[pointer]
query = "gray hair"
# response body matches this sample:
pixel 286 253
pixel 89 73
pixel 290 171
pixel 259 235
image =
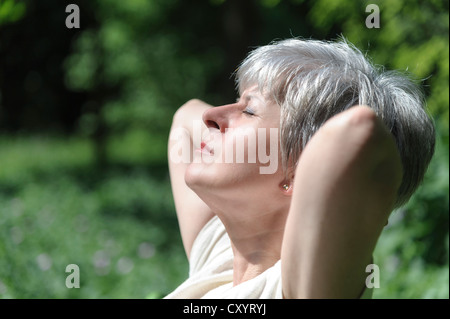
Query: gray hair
pixel 314 80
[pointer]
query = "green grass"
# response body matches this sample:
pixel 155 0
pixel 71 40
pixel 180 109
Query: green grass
pixel 119 225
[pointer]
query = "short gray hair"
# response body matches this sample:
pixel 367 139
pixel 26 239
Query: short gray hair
pixel 314 80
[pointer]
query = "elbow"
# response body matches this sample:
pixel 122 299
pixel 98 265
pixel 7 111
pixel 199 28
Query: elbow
pixel 361 122
pixel 378 147
pixel 189 111
pixel 357 125
pixel 374 146
pixel 184 110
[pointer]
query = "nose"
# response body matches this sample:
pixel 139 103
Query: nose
pixel 218 117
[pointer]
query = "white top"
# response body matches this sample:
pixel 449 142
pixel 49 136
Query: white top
pixel 211 271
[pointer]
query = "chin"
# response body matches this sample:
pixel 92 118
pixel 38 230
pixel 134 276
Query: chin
pixel 195 176
pixel 201 177
pixel 202 181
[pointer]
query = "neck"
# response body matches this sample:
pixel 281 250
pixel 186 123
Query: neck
pixel 250 262
pixel 256 242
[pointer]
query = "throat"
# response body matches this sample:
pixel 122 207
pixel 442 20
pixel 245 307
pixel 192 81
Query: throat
pixel 250 265
pixel 256 241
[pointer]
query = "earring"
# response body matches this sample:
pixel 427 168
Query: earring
pixel 285 187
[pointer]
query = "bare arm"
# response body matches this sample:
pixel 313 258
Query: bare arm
pixel 192 212
pixel 344 189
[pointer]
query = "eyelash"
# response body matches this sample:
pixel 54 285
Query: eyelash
pixel 248 111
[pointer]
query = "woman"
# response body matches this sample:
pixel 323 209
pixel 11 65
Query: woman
pixel 308 227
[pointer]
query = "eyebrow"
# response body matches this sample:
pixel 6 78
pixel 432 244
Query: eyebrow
pixel 249 97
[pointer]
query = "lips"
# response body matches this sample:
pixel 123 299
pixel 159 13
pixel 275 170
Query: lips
pixel 205 148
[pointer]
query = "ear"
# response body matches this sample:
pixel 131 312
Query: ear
pixel 286 188
pixel 286 185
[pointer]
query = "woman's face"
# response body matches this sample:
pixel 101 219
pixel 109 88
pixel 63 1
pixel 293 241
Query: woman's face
pixel 239 159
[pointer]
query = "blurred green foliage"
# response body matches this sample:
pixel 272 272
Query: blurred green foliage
pixel 11 11
pixel 119 228
pixel 85 115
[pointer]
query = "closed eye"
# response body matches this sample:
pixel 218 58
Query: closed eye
pixel 248 111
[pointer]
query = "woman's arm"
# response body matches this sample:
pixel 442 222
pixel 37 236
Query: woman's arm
pixel 192 212
pixel 344 190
